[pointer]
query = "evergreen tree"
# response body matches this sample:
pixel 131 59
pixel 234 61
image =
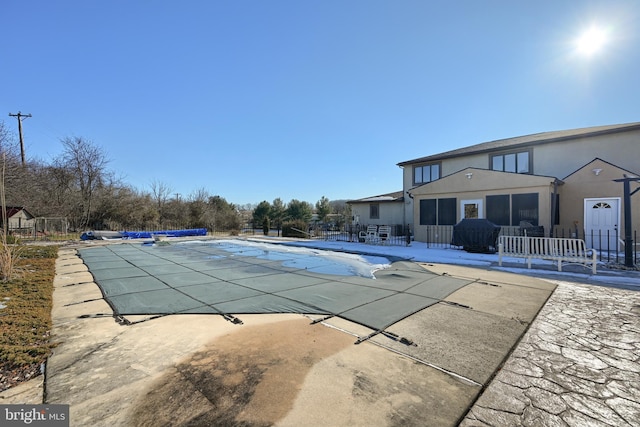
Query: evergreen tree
pixel 323 208
pixel 298 210
pixel 261 212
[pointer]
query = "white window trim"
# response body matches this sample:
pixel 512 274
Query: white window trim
pixel 478 202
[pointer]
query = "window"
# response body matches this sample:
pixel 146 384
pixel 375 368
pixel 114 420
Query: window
pixel 498 209
pixel 374 211
pixel 438 211
pixel 447 211
pixel 471 209
pixel 428 212
pixel 519 162
pixel 426 173
pixel 524 207
pixel 601 205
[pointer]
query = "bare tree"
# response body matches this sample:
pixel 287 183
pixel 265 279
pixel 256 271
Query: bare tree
pixel 198 208
pixel 4 137
pixel 87 164
pixel 121 207
pixel 160 192
pixel 14 174
pixel 343 209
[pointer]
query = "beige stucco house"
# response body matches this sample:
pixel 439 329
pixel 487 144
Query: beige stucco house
pixel 561 180
pixel 384 209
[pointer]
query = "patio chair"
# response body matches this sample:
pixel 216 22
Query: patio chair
pixel 372 234
pixel 384 234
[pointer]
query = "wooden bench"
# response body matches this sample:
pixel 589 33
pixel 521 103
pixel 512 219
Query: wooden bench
pixel 568 251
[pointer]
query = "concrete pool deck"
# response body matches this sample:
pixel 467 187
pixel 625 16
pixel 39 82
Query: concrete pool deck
pixel 279 369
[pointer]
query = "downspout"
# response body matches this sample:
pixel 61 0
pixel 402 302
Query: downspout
pixel 404 210
pixel 408 231
pixel 554 201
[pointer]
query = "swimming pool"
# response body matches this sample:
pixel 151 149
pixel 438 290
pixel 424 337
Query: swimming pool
pixel 316 260
pixel 235 277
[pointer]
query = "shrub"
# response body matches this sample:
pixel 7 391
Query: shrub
pixel 296 228
pixel 13 240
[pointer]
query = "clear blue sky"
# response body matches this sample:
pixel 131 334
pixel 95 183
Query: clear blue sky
pixel 253 100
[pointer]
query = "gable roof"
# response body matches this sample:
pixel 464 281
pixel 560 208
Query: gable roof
pixel 527 140
pixel 447 184
pixel 12 210
pixel 598 159
pixel 396 196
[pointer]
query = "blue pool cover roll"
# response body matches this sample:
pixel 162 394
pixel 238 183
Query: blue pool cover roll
pixel 168 233
pixel 93 235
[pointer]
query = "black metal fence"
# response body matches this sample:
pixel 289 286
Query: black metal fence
pixel 608 244
pixel 358 233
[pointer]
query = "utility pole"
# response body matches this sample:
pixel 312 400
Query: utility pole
pixel 20 116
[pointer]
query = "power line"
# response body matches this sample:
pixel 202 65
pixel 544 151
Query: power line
pixel 20 116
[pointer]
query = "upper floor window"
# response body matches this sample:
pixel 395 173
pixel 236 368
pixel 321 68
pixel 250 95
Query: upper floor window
pixel 426 173
pixel 519 162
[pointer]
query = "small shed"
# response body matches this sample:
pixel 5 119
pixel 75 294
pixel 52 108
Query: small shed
pixel 18 218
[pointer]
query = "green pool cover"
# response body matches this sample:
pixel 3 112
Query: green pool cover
pixel 143 279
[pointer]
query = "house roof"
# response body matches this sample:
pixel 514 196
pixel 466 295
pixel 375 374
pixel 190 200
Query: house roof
pixel 12 210
pixel 510 180
pixel 598 159
pixel 527 140
pixel 396 196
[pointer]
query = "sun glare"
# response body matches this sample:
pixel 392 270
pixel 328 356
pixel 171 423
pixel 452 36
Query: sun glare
pixel 591 41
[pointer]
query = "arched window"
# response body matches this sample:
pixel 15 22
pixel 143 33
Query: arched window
pixel 602 205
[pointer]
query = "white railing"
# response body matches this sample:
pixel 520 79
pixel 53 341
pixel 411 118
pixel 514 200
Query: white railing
pixel 567 251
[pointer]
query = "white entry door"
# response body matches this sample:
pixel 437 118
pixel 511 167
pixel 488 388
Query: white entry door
pixel 471 209
pixel 601 219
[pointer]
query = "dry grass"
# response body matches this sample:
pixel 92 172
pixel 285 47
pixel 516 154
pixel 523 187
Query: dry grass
pixel 9 255
pixel 25 316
